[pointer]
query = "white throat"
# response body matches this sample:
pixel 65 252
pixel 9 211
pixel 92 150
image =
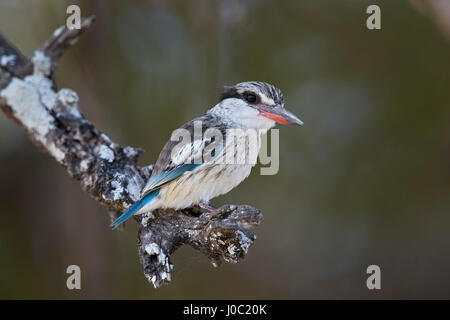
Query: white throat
pixel 237 113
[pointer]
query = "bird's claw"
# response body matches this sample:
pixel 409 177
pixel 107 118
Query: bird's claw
pixel 205 206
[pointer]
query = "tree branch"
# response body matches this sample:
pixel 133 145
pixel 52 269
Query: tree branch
pixel 106 170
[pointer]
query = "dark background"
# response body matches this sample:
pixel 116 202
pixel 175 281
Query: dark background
pixel 365 181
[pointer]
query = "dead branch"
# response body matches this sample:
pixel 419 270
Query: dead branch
pixel 106 170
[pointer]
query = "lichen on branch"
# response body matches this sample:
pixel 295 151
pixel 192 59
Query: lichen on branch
pixel 106 170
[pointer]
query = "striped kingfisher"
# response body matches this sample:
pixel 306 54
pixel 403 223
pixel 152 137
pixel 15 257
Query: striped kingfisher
pixel 194 166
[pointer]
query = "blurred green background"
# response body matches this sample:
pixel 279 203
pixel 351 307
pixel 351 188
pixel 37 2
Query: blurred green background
pixel 365 181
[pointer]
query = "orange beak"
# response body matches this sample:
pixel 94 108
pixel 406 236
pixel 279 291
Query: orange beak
pixel 279 115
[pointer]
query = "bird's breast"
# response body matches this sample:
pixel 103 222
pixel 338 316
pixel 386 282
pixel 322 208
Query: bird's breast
pixel 213 178
pixel 204 183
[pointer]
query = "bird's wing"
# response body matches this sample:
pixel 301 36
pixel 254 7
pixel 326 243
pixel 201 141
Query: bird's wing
pixel 172 163
pixel 164 177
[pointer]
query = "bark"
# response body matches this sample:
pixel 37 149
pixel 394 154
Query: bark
pixel 106 170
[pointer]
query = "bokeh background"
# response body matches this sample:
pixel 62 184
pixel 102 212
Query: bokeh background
pixel 365 181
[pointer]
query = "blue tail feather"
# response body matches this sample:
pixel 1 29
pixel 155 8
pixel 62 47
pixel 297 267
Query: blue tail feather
pixel 134 208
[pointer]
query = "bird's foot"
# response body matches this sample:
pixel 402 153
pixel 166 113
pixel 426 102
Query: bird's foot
pixel 206 206
pixel 208 209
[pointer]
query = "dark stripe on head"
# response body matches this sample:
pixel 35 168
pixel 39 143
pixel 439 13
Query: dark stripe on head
pixel 229 92
pixel 257 87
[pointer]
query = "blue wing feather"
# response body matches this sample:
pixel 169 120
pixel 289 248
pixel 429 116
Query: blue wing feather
pixel 164 177
pixel 157 180
pixel 134 208
pixel 170 173
pixel 153 187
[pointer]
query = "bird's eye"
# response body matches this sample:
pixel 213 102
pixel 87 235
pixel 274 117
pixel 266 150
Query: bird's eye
pixel 250 98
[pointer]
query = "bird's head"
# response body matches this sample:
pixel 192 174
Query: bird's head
pixel 253 104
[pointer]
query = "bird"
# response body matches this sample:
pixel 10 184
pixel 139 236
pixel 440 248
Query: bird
pixel 192 172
